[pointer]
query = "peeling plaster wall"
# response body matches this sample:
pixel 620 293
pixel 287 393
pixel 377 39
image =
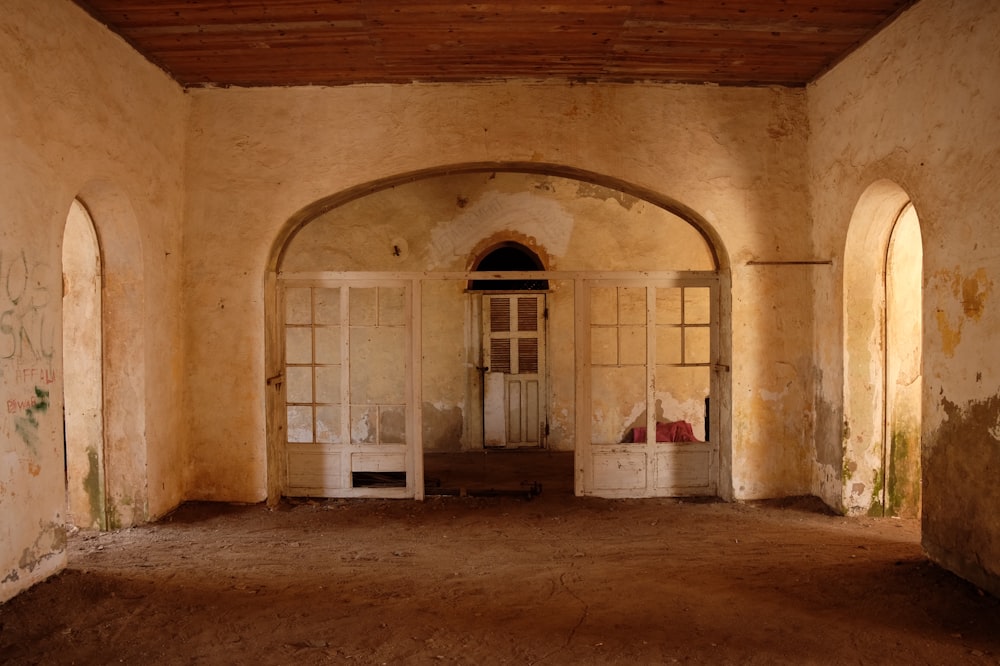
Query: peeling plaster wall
pixel 919 105
pixel 736 157
pixel 82 115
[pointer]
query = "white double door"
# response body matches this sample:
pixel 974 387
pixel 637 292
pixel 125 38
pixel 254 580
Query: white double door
pixel 514 370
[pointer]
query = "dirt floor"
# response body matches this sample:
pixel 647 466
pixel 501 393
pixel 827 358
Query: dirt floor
pixel 503 580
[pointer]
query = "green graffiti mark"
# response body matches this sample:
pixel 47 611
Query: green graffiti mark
pixel 43 399
pixel 27 426
pixel 27 430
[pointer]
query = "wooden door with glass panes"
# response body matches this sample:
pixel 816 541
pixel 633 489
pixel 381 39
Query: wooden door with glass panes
pixel 514 370
pixel 348 402
pixel 650 363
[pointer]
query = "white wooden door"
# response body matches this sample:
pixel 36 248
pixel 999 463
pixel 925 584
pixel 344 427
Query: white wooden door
pixel 648 356
pixel 514 377
pixel 348 389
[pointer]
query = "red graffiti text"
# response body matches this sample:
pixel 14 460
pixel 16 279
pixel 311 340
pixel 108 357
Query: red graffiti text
pixel 35 375
pixel 15 406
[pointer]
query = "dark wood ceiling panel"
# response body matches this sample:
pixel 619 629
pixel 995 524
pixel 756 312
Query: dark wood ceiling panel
pixel 340 42
pixel 129 14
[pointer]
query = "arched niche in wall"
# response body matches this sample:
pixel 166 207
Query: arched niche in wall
pixel 433 228
pixel 883 296
pixel 123 377
pixel 83 367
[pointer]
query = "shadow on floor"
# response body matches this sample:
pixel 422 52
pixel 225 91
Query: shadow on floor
pixel 499 471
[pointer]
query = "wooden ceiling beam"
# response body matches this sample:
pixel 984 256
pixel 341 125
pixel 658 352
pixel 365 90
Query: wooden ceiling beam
pixel 338 42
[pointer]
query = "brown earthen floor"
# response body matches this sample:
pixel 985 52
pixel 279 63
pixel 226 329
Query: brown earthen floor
pixel 503 580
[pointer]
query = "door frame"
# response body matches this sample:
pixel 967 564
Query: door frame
pixel 354 457
pixel 642 467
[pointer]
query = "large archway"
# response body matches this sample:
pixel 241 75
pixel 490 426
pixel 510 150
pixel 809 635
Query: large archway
pixel 390 238
pixel 882 355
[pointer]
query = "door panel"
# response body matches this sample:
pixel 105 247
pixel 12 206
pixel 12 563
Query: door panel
pixel 495 409
pixel 514 362
pixel 650 352
pixel 348 388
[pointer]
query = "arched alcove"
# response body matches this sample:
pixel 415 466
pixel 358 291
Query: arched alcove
pixel 123 374
pixel 901 495
pixel 83 362
pixel 882 354
pixel 411 242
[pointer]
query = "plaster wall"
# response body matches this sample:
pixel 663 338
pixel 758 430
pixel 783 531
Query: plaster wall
pixel 919 106
pixel 82 116
pixel 734 157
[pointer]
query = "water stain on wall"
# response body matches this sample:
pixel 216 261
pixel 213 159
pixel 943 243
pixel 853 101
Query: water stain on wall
pixel 50 542
pixel 829 447
pixel 92 485
pixel 972 291
pixel 975 291
pixel 954 523
pixel 950 336
pixel 442 427
pixel 903 489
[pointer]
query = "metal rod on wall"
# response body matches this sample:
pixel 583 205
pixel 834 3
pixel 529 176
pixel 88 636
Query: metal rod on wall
pixel 808 262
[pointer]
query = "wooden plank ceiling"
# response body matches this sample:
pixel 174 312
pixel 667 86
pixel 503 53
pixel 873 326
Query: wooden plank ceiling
pixel 340 42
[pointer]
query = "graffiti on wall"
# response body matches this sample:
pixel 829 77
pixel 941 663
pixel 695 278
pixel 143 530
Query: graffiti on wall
pixel 26 425
pixel 25 332
pixel 27 343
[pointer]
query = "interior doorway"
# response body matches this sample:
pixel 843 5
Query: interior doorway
pixel 513 349
pixel 903 379
pixel 348 388
pixel 883 384
pixel 514 370
pixel 83 396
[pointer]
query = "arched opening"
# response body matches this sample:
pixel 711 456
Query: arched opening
pixel 629 285
pixel 512 371
pixel 883 299
pixel 121 372
pixel 902 367
pixel 83 395
pixel 509 257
